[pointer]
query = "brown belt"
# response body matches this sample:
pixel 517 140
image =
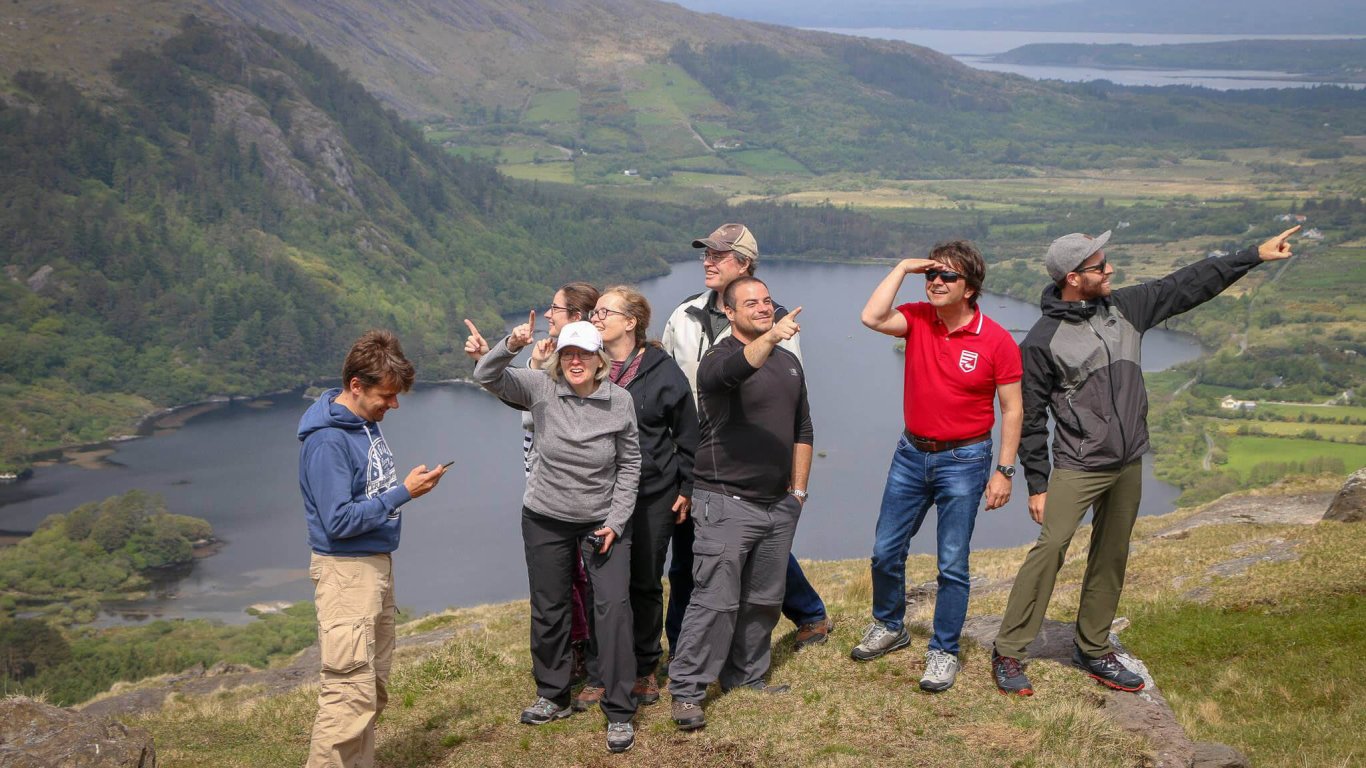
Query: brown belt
pixel 935 446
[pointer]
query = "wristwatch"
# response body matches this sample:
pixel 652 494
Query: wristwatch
pixel 1007 471
pixel 799 493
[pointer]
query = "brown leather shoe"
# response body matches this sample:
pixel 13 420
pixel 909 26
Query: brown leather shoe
pixel 587 698
pixel 646 690
pixel 815 633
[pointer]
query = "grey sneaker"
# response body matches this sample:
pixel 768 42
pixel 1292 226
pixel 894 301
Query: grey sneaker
pixel 878 640
pixel 543 711
pixel 941 669
pixel 620 737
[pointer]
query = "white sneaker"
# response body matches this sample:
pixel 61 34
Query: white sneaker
pixel 941 670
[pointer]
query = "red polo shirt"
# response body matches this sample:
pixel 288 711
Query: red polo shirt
pixel 951 378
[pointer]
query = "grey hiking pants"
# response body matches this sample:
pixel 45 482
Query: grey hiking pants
pixel 740 556
pixel 551 546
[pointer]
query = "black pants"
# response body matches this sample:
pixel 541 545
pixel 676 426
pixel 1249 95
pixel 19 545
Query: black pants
pixel 652 526
pixel 550 547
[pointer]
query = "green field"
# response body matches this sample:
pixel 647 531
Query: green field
pixel 1289 412
pixel 1246 452
pixel 559 173
pixel 1345 433
pixel 553 107
pixel 768 161
pixel 667 87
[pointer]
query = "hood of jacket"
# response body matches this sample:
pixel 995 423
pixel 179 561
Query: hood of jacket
pixel 1052 305
pixel 327 412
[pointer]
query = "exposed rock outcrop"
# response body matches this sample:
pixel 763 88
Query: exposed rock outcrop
pixel 1349 505
pixel 38 735
pixel 1145 713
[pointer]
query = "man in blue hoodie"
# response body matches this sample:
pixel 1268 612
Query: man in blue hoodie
pixel 352 497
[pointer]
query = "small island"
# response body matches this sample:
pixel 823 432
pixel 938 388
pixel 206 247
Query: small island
pixel 113 549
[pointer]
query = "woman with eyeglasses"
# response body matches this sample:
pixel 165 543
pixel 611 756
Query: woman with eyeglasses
pixel 571 303
pixel 578 503
pixel 667 421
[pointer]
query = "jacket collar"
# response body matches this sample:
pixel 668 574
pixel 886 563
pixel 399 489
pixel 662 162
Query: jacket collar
pixel 1052 304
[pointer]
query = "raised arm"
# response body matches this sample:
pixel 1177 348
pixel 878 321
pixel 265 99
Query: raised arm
pixel 1148 304
pixel 880 312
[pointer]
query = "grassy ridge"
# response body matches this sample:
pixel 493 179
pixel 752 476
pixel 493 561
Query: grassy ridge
pixel 458 705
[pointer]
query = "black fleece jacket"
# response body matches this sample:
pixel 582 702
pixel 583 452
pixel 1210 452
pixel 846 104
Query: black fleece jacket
pixel 667 419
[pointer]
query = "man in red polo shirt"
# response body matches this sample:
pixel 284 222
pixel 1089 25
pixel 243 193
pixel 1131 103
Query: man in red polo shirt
pixel 957 360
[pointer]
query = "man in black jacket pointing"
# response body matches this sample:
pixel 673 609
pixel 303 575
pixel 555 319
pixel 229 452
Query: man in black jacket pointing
pixel 1081 362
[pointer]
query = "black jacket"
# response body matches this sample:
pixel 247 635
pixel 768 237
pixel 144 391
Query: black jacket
pixel 1081 361
pixel 667 419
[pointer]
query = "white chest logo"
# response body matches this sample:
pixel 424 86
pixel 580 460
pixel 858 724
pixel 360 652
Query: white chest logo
pixel 967 361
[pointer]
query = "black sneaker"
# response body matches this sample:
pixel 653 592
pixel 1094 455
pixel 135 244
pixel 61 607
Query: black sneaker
pixel 1010 676
pixel 1109 671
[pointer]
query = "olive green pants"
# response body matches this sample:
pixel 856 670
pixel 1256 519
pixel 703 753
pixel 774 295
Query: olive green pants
pixel 1115 496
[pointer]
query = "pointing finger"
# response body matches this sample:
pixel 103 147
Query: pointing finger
pixel 795 312
pixel 473 331
pixel 1282 236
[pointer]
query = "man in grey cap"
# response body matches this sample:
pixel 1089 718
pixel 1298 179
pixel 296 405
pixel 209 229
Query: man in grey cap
pixel 1081 361
pixel 731 252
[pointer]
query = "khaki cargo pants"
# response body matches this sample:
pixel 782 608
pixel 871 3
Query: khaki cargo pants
pixel 355 601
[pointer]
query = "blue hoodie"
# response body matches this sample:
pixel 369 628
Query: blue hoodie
pixel 351 489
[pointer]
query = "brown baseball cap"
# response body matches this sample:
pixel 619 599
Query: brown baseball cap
pixel 731 237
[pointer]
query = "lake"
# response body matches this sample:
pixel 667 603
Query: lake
pixel 975 48
pixel 236 466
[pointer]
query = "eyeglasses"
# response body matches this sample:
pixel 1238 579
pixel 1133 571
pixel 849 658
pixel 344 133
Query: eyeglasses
pixel 574 353
pixel 1098 268
pixel 601 313
pixel 716 257
pixel 558 308
pixel 947 275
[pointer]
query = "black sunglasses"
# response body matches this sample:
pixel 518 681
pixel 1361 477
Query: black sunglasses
pixel 1098 267
pixel 947 275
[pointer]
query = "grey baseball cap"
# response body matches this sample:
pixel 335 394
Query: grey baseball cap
pixel 1069 251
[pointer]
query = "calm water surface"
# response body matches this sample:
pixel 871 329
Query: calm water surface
pixel 237 466
pixel 976 47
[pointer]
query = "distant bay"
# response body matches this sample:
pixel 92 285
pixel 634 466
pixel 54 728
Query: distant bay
pixel 975 48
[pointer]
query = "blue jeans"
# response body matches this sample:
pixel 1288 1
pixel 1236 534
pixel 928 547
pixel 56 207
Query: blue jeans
pixel 953 481
pixel 801 603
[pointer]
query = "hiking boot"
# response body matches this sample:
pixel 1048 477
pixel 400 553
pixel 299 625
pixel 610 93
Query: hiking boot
pixel 620 736
pixel 646 690
pixel 578 671
pixel 588 697
pixel 1109 671
pixel 1010 676
pixel 772 690
pixel 687 715
pixel 941 669
pixel 543 711
pixel 878 640
pixel 813 633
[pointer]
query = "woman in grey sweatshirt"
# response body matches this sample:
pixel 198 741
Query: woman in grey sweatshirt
pixel 579 498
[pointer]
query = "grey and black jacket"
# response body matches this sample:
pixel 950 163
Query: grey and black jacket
pixel 1081 361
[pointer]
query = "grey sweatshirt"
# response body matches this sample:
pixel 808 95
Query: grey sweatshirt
pixel 586 466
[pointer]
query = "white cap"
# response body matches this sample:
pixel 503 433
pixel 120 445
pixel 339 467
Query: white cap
pixel 581 335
